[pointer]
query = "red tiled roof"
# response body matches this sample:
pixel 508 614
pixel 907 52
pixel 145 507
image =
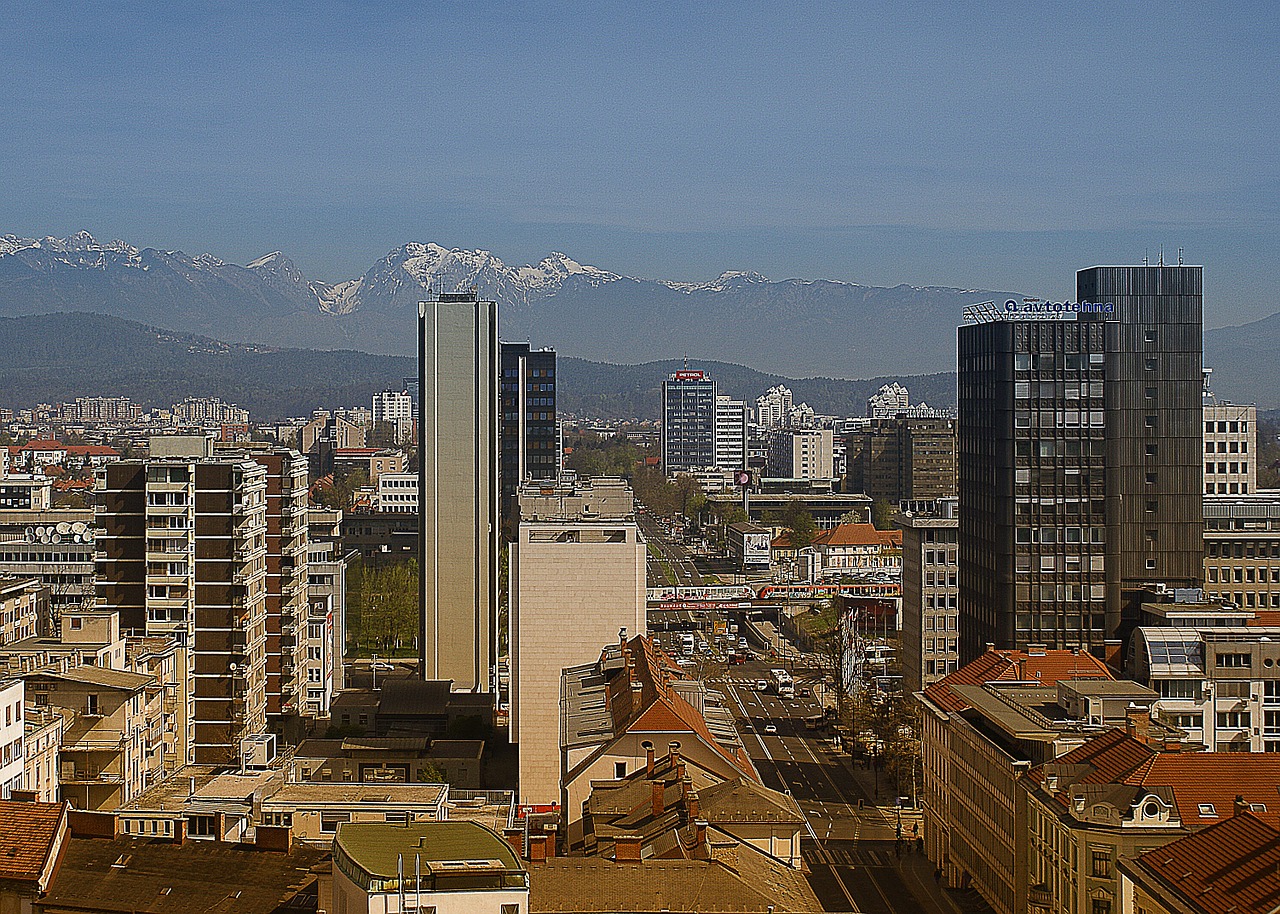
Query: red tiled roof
pixel 1195 778
pixel 1047 668
pixel 1232 867
pixel 43 444
pixel 1217 778
pixel 27 835
pixel 858 535
pixel 92 450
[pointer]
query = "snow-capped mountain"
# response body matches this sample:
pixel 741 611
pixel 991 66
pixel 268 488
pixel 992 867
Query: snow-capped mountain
pixel 799 327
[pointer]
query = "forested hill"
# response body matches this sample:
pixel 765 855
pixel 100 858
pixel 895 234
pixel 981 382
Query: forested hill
pixel 50 358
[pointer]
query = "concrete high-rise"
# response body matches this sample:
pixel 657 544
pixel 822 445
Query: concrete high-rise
pixel 577 577
pixel 458 487
pixel 1078 458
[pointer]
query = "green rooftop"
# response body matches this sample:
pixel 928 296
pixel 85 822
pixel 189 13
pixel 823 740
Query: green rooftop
pixel 457 855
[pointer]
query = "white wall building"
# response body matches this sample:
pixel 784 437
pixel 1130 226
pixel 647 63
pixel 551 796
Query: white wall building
pixel 731 434
pixel 773 410
pixel 1230 448
pixel 398 493
pixel 12 742
pixel 396 408
pixel 801 454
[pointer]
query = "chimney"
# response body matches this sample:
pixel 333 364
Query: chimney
pixel 537 848
pixel 1240 806
pixel 673 752
pixel 626 848
pixel 686 784
pixel 551 832
pixel 622 637
pixel 693 804
pixel 1137 723
pixel 25 796
pixel 179 832
pixel 515 838
pixel 701 834
pixel 659 804
pixel 648 758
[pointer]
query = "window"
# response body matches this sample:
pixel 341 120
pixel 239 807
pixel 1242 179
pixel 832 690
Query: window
pixel 1207 810
pixel 1100 906
pixel 619 770
pixel 329 821
pixel 1233 661
pixel 1100 863
pixel 1233 720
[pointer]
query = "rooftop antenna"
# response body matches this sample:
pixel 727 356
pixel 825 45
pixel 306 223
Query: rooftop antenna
pixel 1179 256
pixel 1146 260
pixel 1162 255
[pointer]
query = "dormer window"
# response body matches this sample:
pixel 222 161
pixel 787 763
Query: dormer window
pixel 1151 809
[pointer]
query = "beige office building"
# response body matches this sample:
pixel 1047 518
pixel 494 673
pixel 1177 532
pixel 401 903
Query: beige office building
pixel 458 487
pixel 577 577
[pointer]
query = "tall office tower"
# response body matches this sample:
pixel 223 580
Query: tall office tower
pixel 458 487
pixel 1230 448
pixel 688 422
pixel 1155 444
pixel 183 551
pixel 529 434
pixel 1079 459
pixel 731 434
pixel 577 576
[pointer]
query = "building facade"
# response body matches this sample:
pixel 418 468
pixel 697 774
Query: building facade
pixel 458 488
pixel 801 454
pixel 731 434
pixel 905 459
pixel 930 595
pixel 688 422
pixel 1242 550
pixel 529 439
pixel 1230 448
pixel 1079 459
pixel 183 553
pixel 577 577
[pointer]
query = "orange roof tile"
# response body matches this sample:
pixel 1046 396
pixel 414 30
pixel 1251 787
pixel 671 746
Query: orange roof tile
pixel 1047 667
pixel 858 535
pixel 28 832
pixel 1217 778
pixel 1232 867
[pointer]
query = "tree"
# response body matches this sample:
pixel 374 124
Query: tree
pixel 798 521
pixel 882 514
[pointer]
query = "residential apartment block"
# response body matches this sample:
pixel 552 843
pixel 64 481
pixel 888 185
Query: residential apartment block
pixel 1242 549
pixel 801 454
pixel 183 552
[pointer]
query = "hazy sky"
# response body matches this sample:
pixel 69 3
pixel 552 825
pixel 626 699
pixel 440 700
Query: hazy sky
pixel 999 145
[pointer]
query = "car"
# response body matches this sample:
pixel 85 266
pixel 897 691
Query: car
pixel 770 728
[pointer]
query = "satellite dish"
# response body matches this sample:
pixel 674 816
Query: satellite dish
pixel 79 527
pixel 63 527
pixel 57 538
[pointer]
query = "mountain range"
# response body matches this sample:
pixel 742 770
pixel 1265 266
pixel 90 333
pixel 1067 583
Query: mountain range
pixel 788 328
pixel 52 358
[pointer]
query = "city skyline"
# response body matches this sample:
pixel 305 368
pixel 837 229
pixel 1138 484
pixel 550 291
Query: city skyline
pixel 977 150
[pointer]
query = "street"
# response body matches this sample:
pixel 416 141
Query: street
pixel 672 565
pixel 851 853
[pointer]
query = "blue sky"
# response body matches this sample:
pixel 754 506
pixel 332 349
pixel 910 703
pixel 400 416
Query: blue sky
pixel 999 145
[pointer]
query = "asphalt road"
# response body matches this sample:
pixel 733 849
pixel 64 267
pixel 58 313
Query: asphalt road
pixel 851 850
pixel 673 554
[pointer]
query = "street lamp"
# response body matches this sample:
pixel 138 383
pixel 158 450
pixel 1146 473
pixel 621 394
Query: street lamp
pixel 375 672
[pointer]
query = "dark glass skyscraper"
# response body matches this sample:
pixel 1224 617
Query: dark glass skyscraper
pixel 688 422
pixel 529 433
pixel 1078 459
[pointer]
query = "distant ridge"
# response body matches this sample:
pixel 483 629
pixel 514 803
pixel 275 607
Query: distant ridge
pixel 56 357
